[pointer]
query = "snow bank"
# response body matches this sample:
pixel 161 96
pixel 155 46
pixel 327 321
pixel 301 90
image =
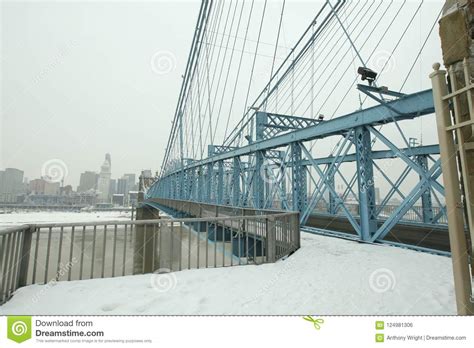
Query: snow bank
pixel 326 276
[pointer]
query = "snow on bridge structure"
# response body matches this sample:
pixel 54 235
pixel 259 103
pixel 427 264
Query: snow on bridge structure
pixel 276 157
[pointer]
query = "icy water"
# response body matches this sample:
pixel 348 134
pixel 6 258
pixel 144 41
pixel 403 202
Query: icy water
pixel 98 252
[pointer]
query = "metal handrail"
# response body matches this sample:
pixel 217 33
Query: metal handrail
pixel 13 229
pixel 43 252
pixel 147 222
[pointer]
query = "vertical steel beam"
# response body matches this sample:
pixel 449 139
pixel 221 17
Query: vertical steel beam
pixel 426 201
pixel 299 179
pixel 209 181
pixel 365 178
pixel 210 175
pixel 258 183
pixel 236 182
pixel 332 198
pixel 200 186
pixel 284 202
pixel 220 182
pixel 191 184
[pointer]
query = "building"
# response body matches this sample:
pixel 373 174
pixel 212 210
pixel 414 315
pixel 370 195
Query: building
pixel 88 181
pixel 12 181
pixel 112 187
pixel 132 181
pixel 133 198
pixel 43 187
pixel 11 185
pixel 118 200
pixel 103 183
pixel 123 186
pixel 66 190
pixel 36 186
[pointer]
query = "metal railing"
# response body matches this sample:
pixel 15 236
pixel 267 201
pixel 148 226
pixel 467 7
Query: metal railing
pixel 415 214
pixel 42 253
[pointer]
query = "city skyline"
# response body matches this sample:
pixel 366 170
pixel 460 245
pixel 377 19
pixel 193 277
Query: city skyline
pixel 66 181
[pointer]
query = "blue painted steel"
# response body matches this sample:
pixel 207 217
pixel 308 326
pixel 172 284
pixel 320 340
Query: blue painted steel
pixel 258 182
pixel 426 201
pixel 410 200
pixel 299 180
pixel 236 172
pixel 412 106
pixel 225 178
pixel 365 179
pixel 220 182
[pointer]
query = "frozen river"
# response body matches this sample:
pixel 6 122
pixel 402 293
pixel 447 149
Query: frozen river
pixel 98 253
pixel 17 218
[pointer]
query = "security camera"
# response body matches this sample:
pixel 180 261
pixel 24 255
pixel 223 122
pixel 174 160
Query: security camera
pixel 367 74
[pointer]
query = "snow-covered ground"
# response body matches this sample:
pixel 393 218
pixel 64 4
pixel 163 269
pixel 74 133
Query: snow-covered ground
pixel 326 276
pixel 28 217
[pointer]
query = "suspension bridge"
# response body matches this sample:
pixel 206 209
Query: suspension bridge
pixel 338 134
pixel 317 139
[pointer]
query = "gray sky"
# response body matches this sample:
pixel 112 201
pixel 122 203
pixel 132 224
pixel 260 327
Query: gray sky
pixel 77 82
pixel 78 79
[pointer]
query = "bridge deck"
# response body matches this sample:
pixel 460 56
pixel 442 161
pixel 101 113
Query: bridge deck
pixel 432 237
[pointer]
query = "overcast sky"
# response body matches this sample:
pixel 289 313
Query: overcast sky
pixel 78 80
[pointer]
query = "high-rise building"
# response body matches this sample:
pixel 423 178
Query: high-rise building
pixel 103 184
pixel 132 181
pixel 112 187
pixel 13 181
pixel 2 179
pixel 122 186
pixel 88 181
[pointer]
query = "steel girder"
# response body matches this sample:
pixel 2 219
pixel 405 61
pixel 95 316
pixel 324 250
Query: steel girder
pixel 410 107
pixel 366 183
pixel 299 179
pixel 257 174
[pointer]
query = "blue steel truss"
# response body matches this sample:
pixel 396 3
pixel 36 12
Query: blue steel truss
pixel 274 170
pixel 278 167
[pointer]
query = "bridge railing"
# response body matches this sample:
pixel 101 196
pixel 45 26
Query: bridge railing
pixel 414 215
pixel 14 244
pixel 47 253
pixel 199 209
